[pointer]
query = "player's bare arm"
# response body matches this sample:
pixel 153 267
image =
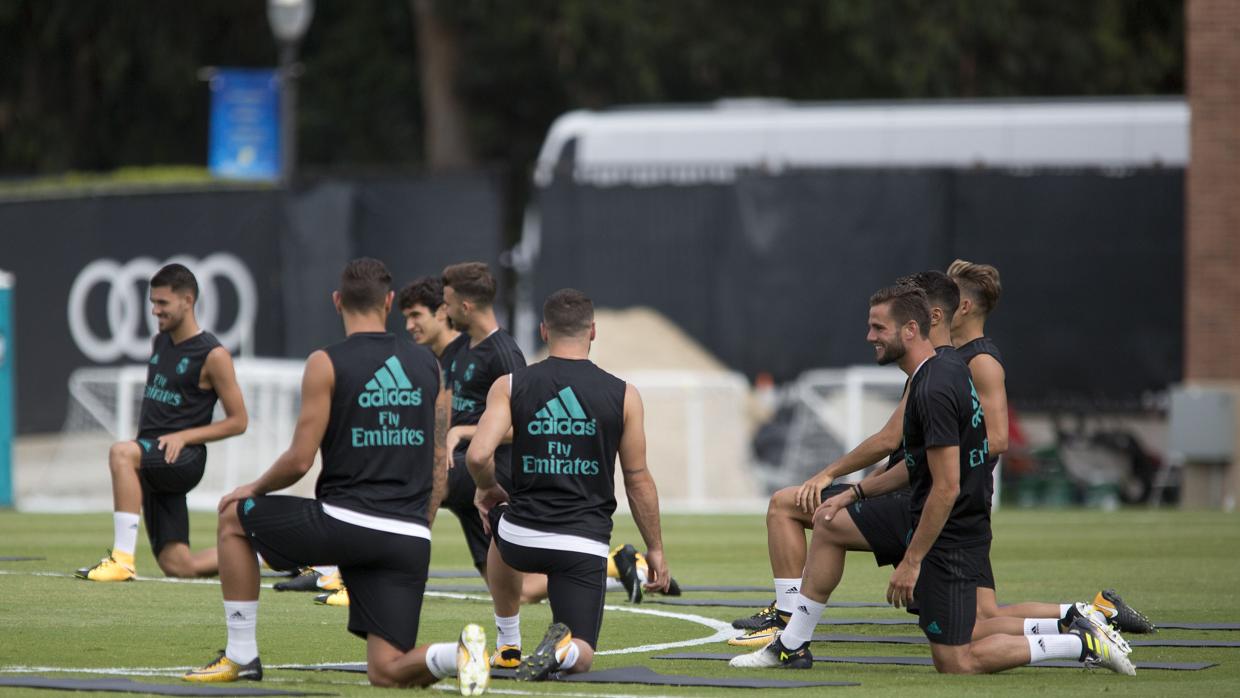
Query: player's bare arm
pixel 496 421
pixel 876 447
pixel 640 488
pixel 944 464
pixel 439 476
pixel 218 375
pixel 317 383
pixel 990 380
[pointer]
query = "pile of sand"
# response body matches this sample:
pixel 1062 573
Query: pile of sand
pixel 641 338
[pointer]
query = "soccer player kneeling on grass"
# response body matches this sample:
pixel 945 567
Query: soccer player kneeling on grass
pixel 374 406
pixel 569 419
pixel 948 539
pixel 188 372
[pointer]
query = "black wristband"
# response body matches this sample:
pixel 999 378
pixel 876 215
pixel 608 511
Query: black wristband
pixel 860 492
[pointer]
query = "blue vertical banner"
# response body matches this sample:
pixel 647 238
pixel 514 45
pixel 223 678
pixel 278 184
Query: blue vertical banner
pixel 8 347
pixel 245 124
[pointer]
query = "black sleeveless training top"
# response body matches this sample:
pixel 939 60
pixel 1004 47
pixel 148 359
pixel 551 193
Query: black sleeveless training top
pixel 967 352
pixel 378 450
pixel 567 417
pixel 172 400
pixel 981 345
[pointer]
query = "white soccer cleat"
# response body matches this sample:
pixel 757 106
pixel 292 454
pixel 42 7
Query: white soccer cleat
pixel 473 667
pixel 775 656
pixel 1103 647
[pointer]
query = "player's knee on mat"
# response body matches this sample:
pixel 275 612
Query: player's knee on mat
pixel 958 662
pixel 380 677
pixel 176 568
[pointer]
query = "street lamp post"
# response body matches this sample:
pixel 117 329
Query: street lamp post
pixel 289 21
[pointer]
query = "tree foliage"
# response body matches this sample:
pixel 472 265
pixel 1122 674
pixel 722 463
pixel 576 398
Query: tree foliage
pixel 100 84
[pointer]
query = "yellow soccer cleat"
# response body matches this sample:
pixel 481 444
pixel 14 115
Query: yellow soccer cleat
pixel 109 569
pixel 339 597
pixel 223 669
pixel 330 582
pixel 506 657
pixel 473 671
pixel 755 638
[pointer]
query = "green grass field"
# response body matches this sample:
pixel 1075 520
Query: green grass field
pixel 1174 566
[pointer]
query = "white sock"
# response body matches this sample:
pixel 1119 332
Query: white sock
pixel 804 619
pixel 441 659
pixel 1042 626
pixel 570 657
pixel 325 570
pixel 242 620
pixel 786 592
pixel 124 532
pixel 1043 647
pixel 614 585
pixel 1063 609
pixel 508 630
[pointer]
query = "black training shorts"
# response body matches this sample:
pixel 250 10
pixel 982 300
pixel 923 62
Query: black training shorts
pixel 384 572
pixel 946 593
pixel 886 523
pixel 576 582
pixel 164 486
pixel 986 576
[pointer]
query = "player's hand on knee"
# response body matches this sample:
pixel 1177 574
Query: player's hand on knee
pixel 828 509
pixel 171 445
pixel 810 494
pixel 240 494
pixel 486 500
pixel 903 580
pixel 657 576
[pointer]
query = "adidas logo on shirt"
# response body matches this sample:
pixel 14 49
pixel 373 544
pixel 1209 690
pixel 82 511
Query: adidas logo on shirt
pixel 390 386
pixel 562 416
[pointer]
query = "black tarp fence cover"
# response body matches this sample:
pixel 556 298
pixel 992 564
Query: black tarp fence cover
pixel 773 271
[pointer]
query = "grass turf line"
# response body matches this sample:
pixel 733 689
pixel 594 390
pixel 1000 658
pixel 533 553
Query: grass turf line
pixel 1172 565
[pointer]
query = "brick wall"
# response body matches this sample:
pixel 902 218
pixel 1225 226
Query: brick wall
pixel 1212 253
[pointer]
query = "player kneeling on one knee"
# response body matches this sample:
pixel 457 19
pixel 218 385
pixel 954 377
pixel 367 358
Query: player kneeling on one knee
pixel 568 419
pixel 373 405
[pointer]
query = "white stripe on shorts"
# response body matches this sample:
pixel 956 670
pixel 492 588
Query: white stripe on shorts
pixel 377 523
pixel 530 538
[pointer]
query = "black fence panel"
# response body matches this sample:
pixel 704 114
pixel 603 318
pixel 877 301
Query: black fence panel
pixel 1093 278
pixel 263 255
pixel 82 267
pixel 772 272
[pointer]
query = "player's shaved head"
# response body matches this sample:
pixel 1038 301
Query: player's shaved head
pixel 364 285
pixel 568 312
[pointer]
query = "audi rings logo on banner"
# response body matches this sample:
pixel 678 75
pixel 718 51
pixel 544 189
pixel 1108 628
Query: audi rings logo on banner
pixel 126 306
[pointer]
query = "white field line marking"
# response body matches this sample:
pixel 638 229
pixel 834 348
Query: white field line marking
pixel 723 630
